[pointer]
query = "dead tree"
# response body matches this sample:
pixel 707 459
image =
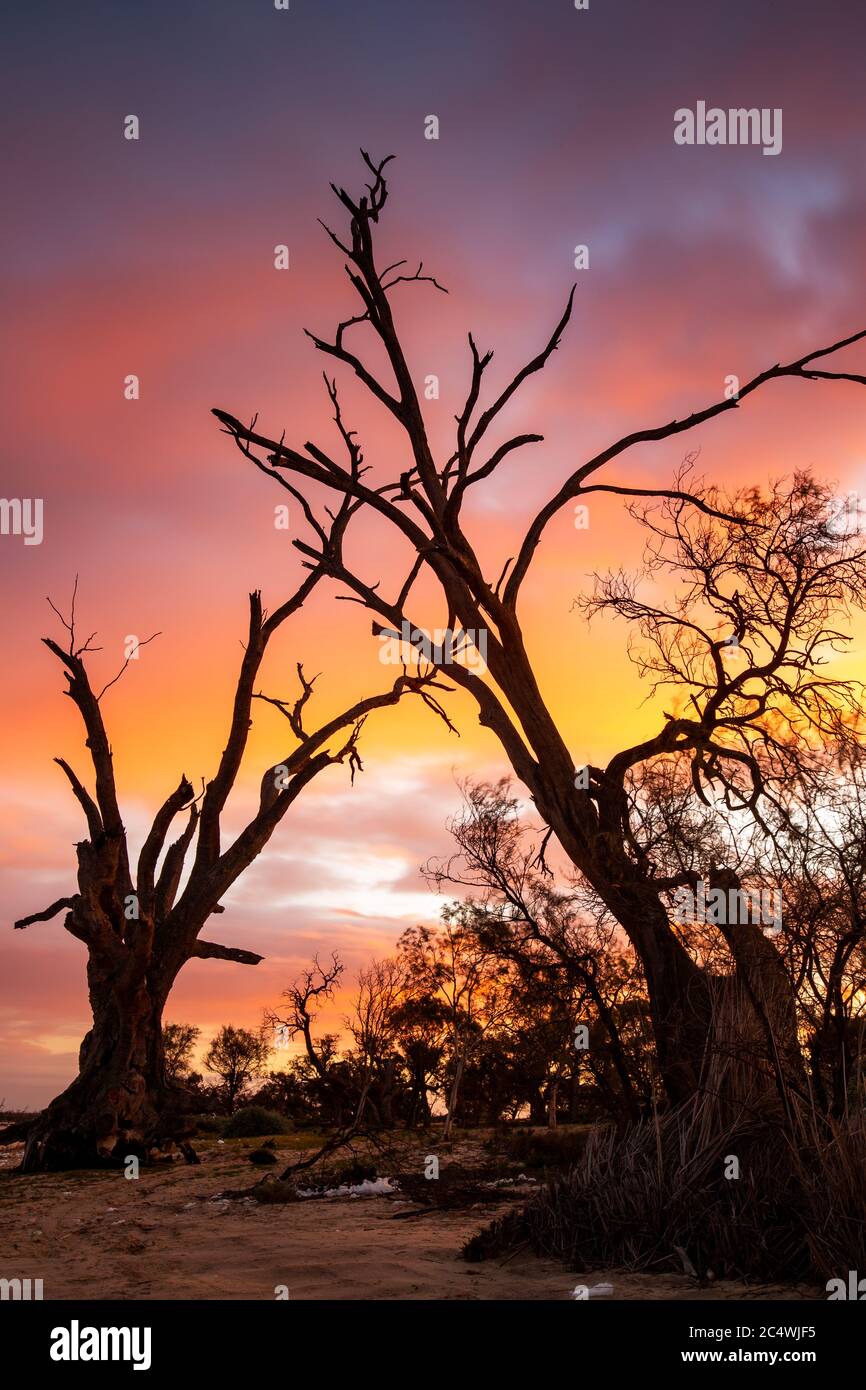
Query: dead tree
pixel 140 924
pixel 423 506
pixel 373 1025
pixel 315 987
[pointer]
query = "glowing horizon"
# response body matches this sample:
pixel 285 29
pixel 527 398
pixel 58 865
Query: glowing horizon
pixel 158 260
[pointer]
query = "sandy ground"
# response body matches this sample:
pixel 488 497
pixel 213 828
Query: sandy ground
pixel 168 1234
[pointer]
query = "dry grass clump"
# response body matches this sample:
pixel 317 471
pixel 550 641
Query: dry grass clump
pixel 657 1197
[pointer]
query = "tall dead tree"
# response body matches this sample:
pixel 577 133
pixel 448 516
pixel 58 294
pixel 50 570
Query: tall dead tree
pixel 141 924
pixel 424 504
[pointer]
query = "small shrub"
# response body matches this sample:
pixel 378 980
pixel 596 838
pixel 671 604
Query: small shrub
pixel 254 1120
pixel 263 1156
pixel 353 1173
pixel 210 1124
pixel 547 1148
pixel 273 1192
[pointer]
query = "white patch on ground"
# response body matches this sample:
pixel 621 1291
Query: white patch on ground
pixel 378 1187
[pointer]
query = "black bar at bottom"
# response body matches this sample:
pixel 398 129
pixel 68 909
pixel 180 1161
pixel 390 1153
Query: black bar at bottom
pixel 255 1341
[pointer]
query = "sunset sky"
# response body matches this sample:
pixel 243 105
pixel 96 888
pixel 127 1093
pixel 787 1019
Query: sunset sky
pixel 156 257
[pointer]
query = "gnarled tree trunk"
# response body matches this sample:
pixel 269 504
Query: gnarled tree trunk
pixel 120 1104
pixel 140 930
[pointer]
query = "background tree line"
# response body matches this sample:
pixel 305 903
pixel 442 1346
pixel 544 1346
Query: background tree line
pixel 527 1001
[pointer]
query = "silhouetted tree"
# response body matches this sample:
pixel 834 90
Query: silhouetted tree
pixel 301 1001
pixel 449 964
pixel 373 1025
pixel 769 574
pixel 139 925
pixel 178 1041
pixel 421 1025
pixel 558 940
pixel 236 1056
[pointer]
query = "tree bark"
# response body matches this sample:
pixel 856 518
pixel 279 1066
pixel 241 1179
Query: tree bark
pixel 552 1101
pixel 120 1104
pixel 454 1093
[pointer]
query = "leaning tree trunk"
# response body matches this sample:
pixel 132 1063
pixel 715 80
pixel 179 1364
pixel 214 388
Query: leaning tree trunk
pixel 680 993
pixel 696 1015
pixel 734 1034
